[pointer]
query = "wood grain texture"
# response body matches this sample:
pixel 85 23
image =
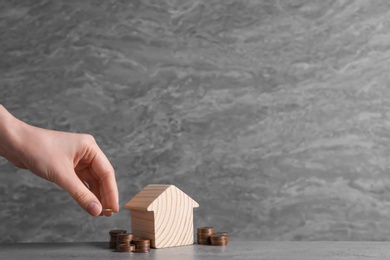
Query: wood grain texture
pixel 163 214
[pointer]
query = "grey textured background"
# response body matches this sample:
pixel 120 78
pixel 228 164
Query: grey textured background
pixel 273 115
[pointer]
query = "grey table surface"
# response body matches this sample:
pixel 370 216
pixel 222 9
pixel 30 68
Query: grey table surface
pixel 235 250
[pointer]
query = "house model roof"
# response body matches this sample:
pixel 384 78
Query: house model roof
pixel 154 196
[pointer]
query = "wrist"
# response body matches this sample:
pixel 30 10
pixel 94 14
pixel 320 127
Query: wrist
pixel 10 133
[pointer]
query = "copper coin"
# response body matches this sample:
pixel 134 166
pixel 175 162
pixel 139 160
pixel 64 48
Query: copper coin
pixel 205 230
pixel 124 238
pixel 113 234
pixel 125 248
pixel 117 231
pixel 140 241
pixel 220 234
pixel 219 240
pixel 125 235
pixel 142 250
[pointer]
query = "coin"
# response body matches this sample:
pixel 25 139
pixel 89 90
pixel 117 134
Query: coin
pixel 205 230
pixel 117 231
pixel 141 249
pixel 207 236
pixel 219 233
pixel 124 238
pixel 141 241
pixel 107 210
pixel 126 248
pixel 141 245
pixel 203 235
pixel 219 239
pixel 113 234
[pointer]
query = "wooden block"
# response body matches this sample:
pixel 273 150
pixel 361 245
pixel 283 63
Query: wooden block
pixel 163 214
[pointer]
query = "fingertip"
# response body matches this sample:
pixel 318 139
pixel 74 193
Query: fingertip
pixel 94 209
pixel 116 208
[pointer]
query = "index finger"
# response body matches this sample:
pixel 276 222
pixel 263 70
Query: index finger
pixel 105 174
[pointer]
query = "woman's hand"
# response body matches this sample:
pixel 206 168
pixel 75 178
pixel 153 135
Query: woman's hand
pixel 72 161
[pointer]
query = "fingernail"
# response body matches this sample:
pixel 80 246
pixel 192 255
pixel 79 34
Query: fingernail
pixel 94 209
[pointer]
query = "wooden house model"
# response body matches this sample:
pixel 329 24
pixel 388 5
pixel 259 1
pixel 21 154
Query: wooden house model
pixel 163 214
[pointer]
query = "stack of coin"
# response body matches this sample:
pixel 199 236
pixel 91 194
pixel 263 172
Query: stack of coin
pixel 124 238
pixel 126 247
pixel 203 235
pixel 113 234
pixel 219 239
pixel 141 245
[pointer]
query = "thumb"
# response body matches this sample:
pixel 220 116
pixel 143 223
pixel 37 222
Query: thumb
pixel 82 195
